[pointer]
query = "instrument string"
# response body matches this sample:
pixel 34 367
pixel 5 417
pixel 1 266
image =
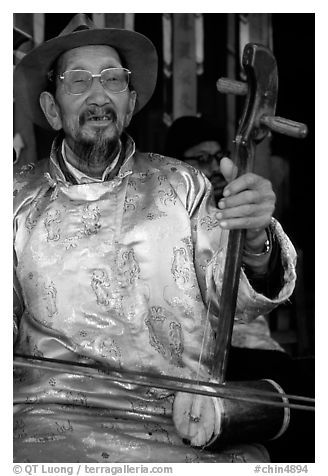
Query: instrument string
pixel 203 341
pixel 208 303
pixel 164 382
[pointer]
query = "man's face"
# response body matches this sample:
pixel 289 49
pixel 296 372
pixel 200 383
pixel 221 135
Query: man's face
pixel 206 157
pixel 96 113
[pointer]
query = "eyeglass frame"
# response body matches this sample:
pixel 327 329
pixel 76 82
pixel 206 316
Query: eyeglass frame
pixel 62 78
pixel 209 157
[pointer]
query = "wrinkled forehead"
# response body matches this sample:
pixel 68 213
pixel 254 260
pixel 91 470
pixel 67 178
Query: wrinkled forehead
pixel 87 56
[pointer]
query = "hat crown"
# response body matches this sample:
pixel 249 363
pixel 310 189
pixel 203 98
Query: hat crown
pixel 79 22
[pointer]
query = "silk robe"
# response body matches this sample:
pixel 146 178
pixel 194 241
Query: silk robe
pixel 125 272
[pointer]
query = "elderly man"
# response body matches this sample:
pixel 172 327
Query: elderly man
pixel 118 261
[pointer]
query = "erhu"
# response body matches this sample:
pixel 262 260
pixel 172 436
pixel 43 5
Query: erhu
pixel 226 411
pixel 232 419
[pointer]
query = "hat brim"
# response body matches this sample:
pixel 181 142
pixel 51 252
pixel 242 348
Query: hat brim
pixel 137 53
pixel 20 37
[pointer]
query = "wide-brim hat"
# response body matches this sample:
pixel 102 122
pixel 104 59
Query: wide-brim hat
pixel 137 53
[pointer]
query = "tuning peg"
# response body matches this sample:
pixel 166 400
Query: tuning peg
pixel 274 123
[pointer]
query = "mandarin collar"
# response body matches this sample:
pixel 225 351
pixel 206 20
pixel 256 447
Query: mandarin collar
pixel 57 174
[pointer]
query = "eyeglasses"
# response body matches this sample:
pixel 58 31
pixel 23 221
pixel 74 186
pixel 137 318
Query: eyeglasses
pixel 78 81
pixel 206 157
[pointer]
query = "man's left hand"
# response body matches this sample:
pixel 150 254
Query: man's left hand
pixel 248 203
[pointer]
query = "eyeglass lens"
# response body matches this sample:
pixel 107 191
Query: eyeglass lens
pixel 206 157
pixel 113 79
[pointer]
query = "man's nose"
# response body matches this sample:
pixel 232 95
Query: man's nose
pixel 214 165
pixel 97 94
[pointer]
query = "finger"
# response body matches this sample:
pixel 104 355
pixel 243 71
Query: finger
pixel 244 223
pixel 248 197
pixel 245 210
pixel 247 182
pixel 228 169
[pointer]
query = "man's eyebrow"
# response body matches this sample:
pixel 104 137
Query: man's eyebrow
pixel 80 66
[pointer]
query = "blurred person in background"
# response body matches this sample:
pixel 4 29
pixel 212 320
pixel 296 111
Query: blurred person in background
pixel 198 143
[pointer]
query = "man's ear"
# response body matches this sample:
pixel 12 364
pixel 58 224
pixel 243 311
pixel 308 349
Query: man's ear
pixel 50 110
pixel 131 106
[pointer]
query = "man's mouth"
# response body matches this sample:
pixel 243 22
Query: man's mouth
pixel 99 118
pixel 218 181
